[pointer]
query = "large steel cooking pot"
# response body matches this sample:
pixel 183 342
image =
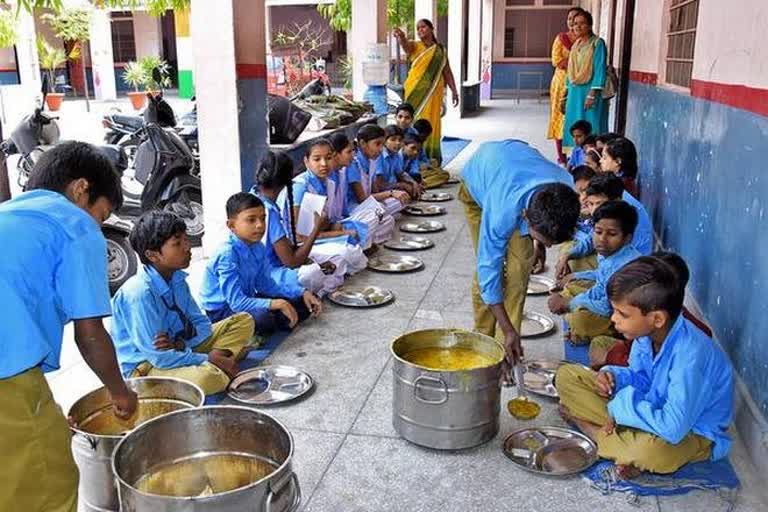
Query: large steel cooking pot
pixel 93 413
pixel 202 451
pixel 446 410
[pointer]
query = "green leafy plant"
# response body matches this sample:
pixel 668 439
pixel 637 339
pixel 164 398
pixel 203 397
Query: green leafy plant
pixel 150 63
pixel 346 70
pixel 8 33
pixel 51 58
pixel 134 75
pixel 400 13
pixel 155 7
pixel 72 25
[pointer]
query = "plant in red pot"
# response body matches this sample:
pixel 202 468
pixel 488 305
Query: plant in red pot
pixel 157 74
pixel 134 75
pixel 51 58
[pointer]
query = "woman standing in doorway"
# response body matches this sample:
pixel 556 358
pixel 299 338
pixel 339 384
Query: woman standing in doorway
pixel 561 48
pixel 425 85
pixel 585 79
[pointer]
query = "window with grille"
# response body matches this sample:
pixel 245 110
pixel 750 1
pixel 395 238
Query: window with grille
pixel 123 40
pixel 681 40
pixel 530 26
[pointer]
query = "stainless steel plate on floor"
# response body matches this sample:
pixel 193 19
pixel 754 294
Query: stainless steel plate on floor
pixel 540 285
pixel 452 181
pixel 550 451
pixel 269 385
pixel 539 376
pixel 409 243
pixel 435 197
pixel 422 226
pixel 361 296
pixel 536 324
pixel 395 263
pixel 424 210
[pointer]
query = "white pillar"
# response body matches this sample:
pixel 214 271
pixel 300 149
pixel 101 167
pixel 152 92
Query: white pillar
pixel 425 10
pixel 486 51
pixel 474 23
pixel 102 61
pixel 369 25
pixel 213 44
pixel 456 51
pixel 26 49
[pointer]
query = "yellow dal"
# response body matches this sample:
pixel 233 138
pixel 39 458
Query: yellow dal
pixel 449 359
pixel 105 422
pixel 204 476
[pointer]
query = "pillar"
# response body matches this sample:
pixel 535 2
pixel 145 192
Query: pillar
pixel 230 82
pixel 184 53
pixel 26 49
pixel 456 51
pixel 102 61
pixel 425 9
pixel 486 50
pixel 369 25
pixel 474 41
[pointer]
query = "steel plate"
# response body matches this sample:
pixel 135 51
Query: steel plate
pixel 435 197
pixel 539 376
pixel 424 210
pixel 550 451
pixel 536 324
pixel 269 385
pixel 540 285
pixel 395 263
pixel 422 226
pixel 409 243
pixel 452 181
pixel 361 297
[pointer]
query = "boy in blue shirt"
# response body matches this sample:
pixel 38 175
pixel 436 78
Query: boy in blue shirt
pixel 584 301
pixel 580 130
pixel 674 403
pixel 432 174
pixel 158 329
pixel 582 175
pixel 404 118
pixel 412 146
pixel 238 277
pixel 53 271
pixel 390 173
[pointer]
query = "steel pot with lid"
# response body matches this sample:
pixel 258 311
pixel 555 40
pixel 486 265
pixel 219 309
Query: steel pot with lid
pixel 213 459
pixel 446 409
pixel 97 431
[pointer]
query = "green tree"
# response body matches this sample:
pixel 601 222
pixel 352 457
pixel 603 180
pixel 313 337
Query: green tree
pixel 74 27
pixel 8 33
pixel 155 7
pixel 400 13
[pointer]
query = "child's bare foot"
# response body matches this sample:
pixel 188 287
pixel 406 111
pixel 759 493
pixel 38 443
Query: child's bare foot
pixel 627 471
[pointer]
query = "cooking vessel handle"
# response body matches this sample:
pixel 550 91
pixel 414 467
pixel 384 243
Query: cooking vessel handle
pixel 435 380
pixel 291 480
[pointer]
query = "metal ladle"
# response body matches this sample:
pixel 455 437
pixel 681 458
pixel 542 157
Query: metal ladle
pixel 522 408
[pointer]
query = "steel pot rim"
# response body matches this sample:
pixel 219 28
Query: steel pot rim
pixel 281 469
pixel 78 431
pixel 399 359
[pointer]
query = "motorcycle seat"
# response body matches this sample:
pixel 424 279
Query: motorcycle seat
pixel 116 155
pixel 134 122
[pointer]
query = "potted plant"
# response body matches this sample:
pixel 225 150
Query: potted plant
pixel 51 59
pixel 150 63
pixel 134 75
pixel 8 33
pixel 72 25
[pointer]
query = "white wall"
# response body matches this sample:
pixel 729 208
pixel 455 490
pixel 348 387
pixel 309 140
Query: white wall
pixel 647 36
pixel 146 31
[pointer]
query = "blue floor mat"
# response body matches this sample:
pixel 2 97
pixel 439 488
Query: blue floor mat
pixel 714 476
pixel 254 358
pixel 451 147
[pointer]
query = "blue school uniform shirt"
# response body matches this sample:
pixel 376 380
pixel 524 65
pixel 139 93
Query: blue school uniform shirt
pixel 596 298
pixel 52 271
pixel 143 309
pixel 239 277
pixel 275 230
pixel 412 166
pixel 354 175
pixel 642 239
pixel 577 158
pixel 687 387
pixel 502 177
pixel 390 166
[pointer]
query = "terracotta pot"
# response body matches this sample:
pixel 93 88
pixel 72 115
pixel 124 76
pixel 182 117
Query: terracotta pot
pixel 53 100
pixel 138 99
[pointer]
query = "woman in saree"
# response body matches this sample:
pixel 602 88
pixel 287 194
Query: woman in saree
pixel 561 48
pixel 427 78
pixel 585 79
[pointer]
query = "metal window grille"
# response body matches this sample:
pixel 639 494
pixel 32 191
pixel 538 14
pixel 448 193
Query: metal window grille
pixel 681 41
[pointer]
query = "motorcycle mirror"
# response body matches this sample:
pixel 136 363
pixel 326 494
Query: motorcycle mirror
pixel 157 76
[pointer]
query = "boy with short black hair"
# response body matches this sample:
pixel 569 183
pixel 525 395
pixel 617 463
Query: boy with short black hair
pixel 581 178
pixel 580 130
pixel 404 118
pixel 158 328
pixel 432 174
pixel 412 146
pixel 674 403
pixel 390 171
pixel 238 276
pixel 585 305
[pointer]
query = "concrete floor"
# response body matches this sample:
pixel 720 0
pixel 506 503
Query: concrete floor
pixel 348 457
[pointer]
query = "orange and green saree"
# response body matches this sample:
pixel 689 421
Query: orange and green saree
pixel 425 88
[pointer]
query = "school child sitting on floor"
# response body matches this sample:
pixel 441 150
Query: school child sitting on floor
pixel 604 138
pixel 603 188
pixel 580 130
pixel 674 403
pixel 238 277
pixel 404 118
pixel 411 151
pixel 320 274
pixel 618 352
pixel 432 174
pixel 584 301
pixel 581 177
pixel 391 174
pixel 157 327
pixel 620 158
pixel 592 159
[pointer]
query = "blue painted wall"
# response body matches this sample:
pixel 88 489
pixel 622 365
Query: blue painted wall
pixel 703 180
pixel 9 78
pixel 504 75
